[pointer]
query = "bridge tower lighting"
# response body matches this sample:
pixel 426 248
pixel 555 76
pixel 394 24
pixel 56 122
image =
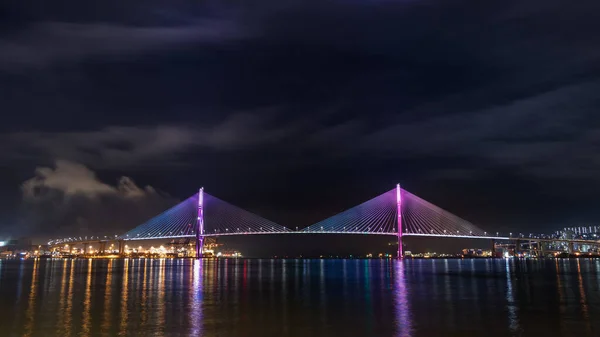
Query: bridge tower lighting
pixel 399 207
pixel 200 224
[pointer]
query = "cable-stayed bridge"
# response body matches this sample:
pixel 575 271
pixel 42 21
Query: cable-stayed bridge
pixel 210 216
pixel 396 212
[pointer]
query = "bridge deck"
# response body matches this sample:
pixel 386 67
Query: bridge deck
pixel 479 237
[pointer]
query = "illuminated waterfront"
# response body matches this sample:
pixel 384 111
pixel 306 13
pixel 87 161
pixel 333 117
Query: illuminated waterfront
pixel 241 297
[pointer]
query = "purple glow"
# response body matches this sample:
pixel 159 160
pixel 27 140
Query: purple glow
pixel 404 321
pixel 374 216
pixel 200 224
pixel 399 206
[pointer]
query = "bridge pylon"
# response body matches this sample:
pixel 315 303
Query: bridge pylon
pixel 200 224
pixel 399 210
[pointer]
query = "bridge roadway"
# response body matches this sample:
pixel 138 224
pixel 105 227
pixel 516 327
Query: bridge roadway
pixel 102 241
pixel 396 212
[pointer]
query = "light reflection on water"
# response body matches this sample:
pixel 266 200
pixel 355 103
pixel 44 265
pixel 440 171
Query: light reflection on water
pixel 144 297
pixel 513 319
pixel 404 324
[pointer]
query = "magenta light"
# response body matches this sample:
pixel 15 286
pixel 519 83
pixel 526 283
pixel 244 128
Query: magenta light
pixel 200 224
pixel 399 206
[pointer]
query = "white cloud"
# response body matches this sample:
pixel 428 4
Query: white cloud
pixel 69 199
pixel 72 179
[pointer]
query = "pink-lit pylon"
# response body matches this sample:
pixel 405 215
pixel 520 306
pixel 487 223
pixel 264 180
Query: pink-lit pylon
pixel 399 206
pixel 200 224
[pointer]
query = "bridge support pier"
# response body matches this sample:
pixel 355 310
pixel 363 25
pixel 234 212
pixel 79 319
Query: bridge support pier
pixel 571 248
pixel 199 246
pixel 102 249
pixel 121 244
pixel 493 248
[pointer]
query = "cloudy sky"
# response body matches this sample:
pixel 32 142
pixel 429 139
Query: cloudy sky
pixel 297 109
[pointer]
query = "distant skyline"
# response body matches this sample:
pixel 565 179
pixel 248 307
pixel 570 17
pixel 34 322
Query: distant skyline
pixel 296 110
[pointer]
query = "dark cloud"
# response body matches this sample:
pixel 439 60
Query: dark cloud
pixel 265 98
pixel 124 147
pixel 44 44
pixel 524 135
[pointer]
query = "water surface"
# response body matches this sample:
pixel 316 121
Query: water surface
pixel 226 298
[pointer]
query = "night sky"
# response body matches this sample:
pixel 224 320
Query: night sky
pixel 295 110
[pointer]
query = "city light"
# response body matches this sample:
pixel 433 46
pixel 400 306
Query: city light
pixel 362 219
